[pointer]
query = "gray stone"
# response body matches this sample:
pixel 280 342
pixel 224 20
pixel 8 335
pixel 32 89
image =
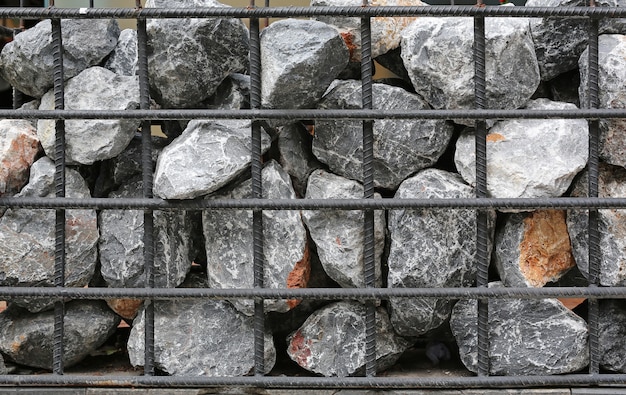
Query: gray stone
pixel 533 249
pixel 199 337
pixel 27 237
pixel 206 157
pixel 386 31
pixel 430 248
pixel 611 94
pixel 121 244
pixel 27 338
pixel 401 147
pixel 19 146
pixel 438 55
pixel 611 225
pixel 339 235
pixel 331 342
pixel 299 58
pixel 392 61
pixel 232 94
pixel 612 335
pixel 127 165
pixel 296 154
pixel 123 59
pixel 27 62
pixel 88 141
pixel 189 58
pixel 526 336
pixel 229 243
pixel 528 157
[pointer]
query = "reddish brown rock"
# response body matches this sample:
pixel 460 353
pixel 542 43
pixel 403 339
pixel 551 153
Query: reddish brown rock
pixel 125 308
pixel 299 276
pixel 19 146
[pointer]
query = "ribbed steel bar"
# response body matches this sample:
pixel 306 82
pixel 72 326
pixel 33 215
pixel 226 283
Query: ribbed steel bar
pixel 147 180
pixel 482 254
pixel 59 186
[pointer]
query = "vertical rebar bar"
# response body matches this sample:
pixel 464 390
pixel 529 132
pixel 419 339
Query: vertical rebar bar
pixel 482 253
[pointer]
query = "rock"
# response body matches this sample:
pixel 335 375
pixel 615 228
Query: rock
pixel 200 337
pixel 229 243
pixel 528 158
pixel 611 94
pixel 19 146
pixel 385 30
pixel 27 62
pixel 88 141
pixel 533 249
pixel 331 342
pixel 339 235
pixel 232 94
pixel 207 156
pixel 121 245
pixel 123 59
pixel 438 55
pixel 27 237
pixel 526 336
pixel 188 58
pixel 430 248
pixel 611 225
pixel 27 338
pixel 612 335
pixel 296 154
pixel 300 58
pixel 401 147
pixel 127 165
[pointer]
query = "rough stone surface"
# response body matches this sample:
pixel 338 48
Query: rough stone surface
pixel 189 58
pixel 611 225
pixel 612 335
pixel 207 156
pixel 27 237
pixel 196 337
pixel 339 235
pixel 229 243
pixel 123 59
pixel 526 336
pixel 121 244
pixel 401 147
pixel 430 248
pixel 528 158
pixel 232 94
pixel 19 146
pixel 331 342
pixel 385 30
pixel 533 249
pixel 27 62
pixel 611 94
pixel 437 53
pixel 299 58
pixel 88 141
pixel 27 338
pixel 296 154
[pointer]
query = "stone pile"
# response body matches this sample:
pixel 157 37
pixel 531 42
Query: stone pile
pixel 203 63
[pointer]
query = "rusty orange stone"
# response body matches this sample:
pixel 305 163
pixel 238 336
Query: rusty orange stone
pixel 299 276
pixel 125 308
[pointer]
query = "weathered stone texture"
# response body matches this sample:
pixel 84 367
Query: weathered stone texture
pixel 612 335
pixel 296 154
pixel 123 59
pixel 19 146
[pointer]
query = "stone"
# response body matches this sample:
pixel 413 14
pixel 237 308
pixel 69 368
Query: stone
pixel 188 58
pixel 386 31
pixel 19 146
pixel 232 94
pixel 27 237
pixel 296 154
pixel 401 147
pixel 528 158
pixel 611 225
pixel 331 342
pixel 339 235
pixel 611 94
pixel 200 337
pixel 123 59
pixel 229 243
pixel 121 245
pixel 27 62
pixel 27 338
pixel 88 141
pixel 533 248
pixel 430 248
pixel 612 335
pixel 299 59
pixel 206 157
pixel 438 56
pixel 526 336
